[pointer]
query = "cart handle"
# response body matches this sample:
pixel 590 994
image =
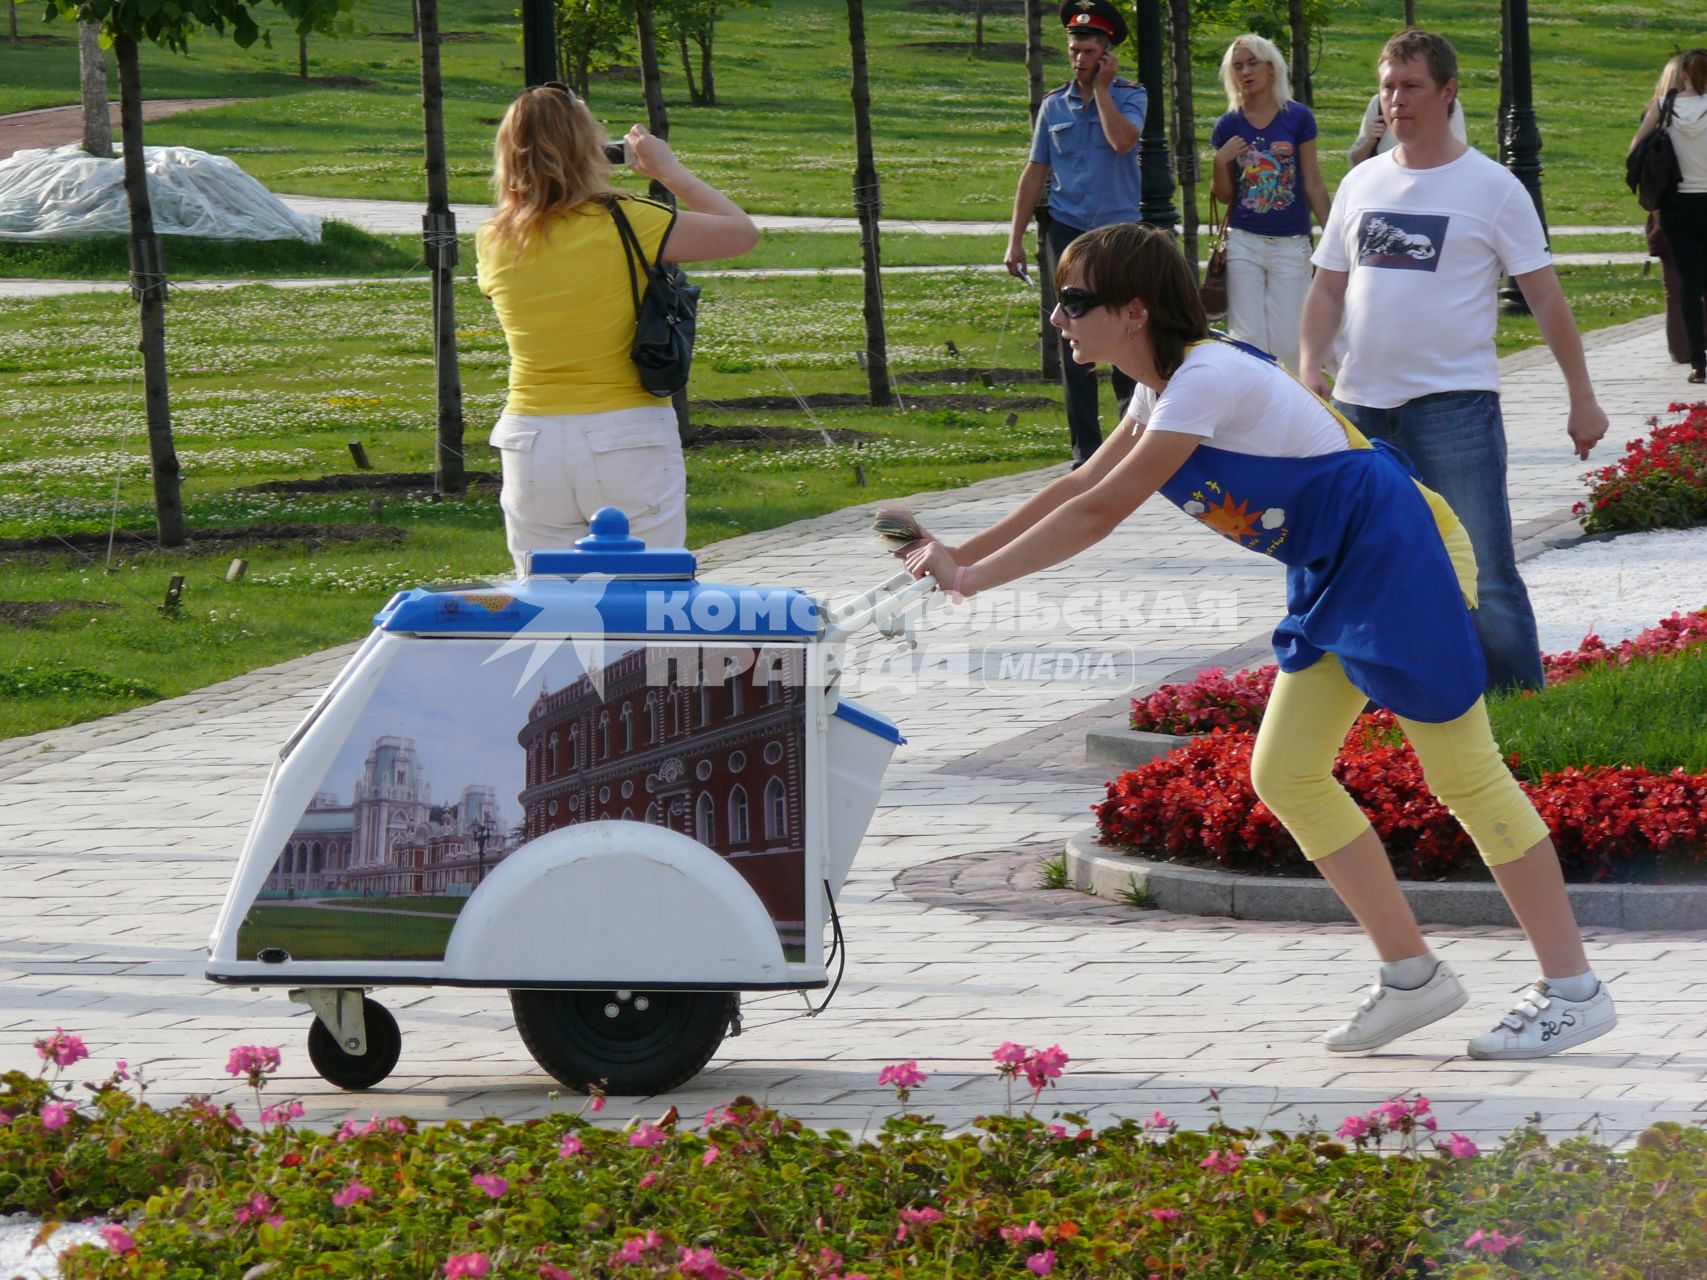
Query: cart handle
pixel 897 594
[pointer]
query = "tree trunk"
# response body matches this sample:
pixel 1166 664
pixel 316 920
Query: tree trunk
pixel 1185 124
pixel 148 286
pixel 301 57
pixel 707 89
pixel 438 234
pixel 92 71
pixel 1048 345
pixel 1410 13
pixel 687 65
pixel 978 25
pixel 583 74
pixel 868 204
pixel 1300 69
pixel 12 18
pixel 651 78
pixel 414 19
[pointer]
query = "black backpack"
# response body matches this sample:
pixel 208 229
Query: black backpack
pixel 1651 168
pixel 664 317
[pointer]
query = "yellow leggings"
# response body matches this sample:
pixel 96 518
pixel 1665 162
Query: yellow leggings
pixel 1310 712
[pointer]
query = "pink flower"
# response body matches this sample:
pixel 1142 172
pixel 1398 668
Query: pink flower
pixel 1491 1241
pixel 62 1048
pixel 648 1180
pixel 491 1184
pixel 121 1069
pixel 55 1114
pixel 701 1264
pixel 1164 1215
pixel 920 1217
pixel 711 1153
pixel 902 1075
pixel 1158 1121
pixel 471 1265
pixel 1222 1161
pixel 1019 1235
pixel 647 1135
pixel 118 1239
pixel 252 1060
pixel 1354 1127
pixel 635 1248
pixel 1010 1057
pixel 1041 1264
pixel 596 1102
pixel 1045 1065
pixel 353 1193
pixel 1458 1146
pixel 1057 1131
pixel 572 1146
pixel 281 1114
pixel 259 1208
pixel 549 1272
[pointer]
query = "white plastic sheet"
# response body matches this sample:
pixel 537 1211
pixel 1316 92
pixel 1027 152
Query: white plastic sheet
pixel 66 194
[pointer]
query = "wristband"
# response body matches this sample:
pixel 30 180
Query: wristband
pixel 954 591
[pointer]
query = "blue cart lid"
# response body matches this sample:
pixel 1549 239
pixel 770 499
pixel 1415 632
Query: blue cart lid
pixel 609 584
pixel 869 720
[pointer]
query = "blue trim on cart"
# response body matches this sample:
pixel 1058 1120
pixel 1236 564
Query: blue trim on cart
pixel 871 721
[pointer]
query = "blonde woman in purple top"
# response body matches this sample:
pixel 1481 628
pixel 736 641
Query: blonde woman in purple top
pixel 1265 171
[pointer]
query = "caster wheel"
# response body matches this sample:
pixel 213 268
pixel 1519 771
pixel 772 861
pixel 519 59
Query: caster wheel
pixel 626 1042
pixel 357 1070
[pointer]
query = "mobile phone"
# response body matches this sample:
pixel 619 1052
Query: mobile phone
pixel 619 152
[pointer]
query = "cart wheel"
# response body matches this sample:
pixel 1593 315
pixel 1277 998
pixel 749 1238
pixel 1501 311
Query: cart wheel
pixel 626 1042
pixel 357 1070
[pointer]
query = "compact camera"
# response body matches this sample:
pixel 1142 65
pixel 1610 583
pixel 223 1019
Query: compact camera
pixel 619 152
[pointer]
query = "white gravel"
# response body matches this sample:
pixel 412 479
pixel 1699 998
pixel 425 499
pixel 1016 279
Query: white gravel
pixel 1616 588
pixel 18 1261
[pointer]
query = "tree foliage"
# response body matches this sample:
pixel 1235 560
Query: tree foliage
pixel 696 20
pixel 593 35
pixel 171 23
pixel 1215 22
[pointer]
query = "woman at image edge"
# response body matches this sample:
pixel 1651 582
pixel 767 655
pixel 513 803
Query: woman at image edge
pixel 1265 172
pixel 1378 575
pixel 579 432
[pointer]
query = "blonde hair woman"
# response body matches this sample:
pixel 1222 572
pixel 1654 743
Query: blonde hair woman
pixel 1265 171
pixel 1684 218
pixel 579 432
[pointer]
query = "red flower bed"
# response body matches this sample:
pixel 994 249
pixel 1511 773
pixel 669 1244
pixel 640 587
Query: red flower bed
pixel 1659 483
pixel 1198 801
pixel 1215 700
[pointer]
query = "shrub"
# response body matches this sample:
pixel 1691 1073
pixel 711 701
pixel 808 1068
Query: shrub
pixel 1659 483
pixel 1198 801
pixel 749 1192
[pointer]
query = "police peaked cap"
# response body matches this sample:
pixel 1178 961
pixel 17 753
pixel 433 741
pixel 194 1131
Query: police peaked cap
pixel 1094 15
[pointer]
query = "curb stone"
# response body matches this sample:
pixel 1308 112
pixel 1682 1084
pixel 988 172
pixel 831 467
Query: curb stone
pixel 1099 869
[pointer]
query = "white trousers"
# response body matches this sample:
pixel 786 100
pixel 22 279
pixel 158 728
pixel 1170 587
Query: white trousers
pixel 1267 278
pixel 560 468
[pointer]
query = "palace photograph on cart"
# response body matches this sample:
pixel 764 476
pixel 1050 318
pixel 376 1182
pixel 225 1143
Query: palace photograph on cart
pixel 429 793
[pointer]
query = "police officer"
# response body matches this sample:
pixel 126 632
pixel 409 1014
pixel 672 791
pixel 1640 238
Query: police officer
pixel 1086 148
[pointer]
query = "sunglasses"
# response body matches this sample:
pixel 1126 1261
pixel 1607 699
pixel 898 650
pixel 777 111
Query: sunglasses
pixel 559 87
pixel 1075 302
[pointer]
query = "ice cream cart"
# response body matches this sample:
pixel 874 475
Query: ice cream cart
pixel 619 793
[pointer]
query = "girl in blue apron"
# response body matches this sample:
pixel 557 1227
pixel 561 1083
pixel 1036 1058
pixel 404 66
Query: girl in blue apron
pixel 1380 581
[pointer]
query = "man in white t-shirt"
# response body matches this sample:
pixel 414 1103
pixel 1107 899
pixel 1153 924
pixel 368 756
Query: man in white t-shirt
pixel 1410 260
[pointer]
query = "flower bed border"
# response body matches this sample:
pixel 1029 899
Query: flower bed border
pixel 1100 869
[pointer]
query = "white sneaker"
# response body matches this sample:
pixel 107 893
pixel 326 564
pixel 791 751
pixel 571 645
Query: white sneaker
pixel 1390 1012
pixel 1544 1022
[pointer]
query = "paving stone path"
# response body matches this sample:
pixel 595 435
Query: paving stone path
pixel 117 839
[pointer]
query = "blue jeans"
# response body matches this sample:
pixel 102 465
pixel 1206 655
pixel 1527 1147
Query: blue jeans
pixel 1457 440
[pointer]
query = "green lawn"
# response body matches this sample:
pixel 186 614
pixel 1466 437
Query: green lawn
pixel 314 933
pixel 951 127
pixel 1648 713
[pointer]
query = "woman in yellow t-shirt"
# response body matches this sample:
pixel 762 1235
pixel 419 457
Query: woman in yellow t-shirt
pixel 579 432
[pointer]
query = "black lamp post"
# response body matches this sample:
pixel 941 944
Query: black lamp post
pixel 1156 203
pixel 539 41
pixel 1520 134
pixel 482 833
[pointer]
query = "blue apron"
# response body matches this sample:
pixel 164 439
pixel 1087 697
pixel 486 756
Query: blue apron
pixel 1368 578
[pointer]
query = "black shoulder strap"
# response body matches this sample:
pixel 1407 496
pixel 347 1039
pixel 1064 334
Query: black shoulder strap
pixel 1668 110
pixel 630 247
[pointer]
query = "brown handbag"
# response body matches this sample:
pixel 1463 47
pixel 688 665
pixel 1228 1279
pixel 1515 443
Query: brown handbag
pixel 1213 290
